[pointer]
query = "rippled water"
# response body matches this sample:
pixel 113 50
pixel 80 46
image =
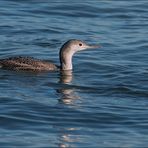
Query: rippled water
pixel 104 103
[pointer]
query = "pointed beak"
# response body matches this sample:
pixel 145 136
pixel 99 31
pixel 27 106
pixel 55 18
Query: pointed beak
pixel 92 46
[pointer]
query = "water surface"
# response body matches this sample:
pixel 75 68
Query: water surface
pixel 104 103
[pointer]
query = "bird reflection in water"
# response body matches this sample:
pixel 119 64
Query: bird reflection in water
pixel 68 95
pixel 68 140
pixel 67 136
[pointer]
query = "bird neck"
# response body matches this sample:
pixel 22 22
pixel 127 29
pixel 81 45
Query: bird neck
pixel 66 60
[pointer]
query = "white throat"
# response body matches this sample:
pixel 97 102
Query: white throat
pixel 68 50
pixel 67 63
pixel 66 60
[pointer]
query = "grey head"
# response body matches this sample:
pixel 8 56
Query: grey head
pixel 69 49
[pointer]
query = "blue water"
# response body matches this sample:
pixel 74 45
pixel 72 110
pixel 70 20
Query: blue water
pixel 104 103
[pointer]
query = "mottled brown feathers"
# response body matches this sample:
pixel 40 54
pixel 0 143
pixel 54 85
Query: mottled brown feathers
pixel 26 63
pixel 65 55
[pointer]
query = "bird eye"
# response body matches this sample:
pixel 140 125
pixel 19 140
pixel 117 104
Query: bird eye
pixel 80 44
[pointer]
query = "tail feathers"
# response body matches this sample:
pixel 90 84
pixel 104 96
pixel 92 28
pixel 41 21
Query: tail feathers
pixel 1 65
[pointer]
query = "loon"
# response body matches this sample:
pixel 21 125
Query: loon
pixel 66 53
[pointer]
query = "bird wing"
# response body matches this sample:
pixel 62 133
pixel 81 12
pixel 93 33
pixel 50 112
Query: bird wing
pixel 26 63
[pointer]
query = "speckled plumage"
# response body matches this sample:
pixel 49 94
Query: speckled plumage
pixel 31 64
pixel 26 63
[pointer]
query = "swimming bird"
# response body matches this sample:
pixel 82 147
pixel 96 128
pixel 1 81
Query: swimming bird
pixel 31 64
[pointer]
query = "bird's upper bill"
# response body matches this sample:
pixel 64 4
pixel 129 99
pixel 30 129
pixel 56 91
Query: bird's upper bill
pixel 92 46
